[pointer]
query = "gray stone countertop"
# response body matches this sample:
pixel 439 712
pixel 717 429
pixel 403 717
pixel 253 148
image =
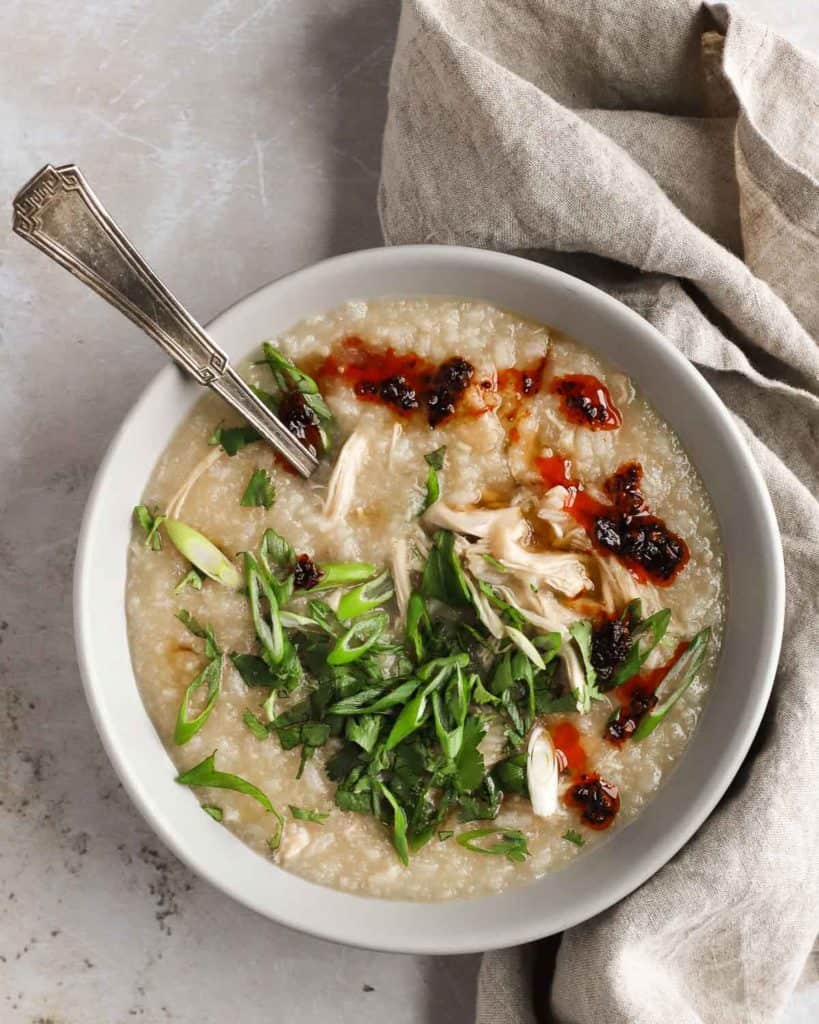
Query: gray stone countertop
pixel 234 140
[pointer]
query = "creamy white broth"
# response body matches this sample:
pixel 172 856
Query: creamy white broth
pixel 351 851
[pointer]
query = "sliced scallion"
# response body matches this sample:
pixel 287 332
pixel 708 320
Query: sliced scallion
pixel 366 597
pixel 358 639
pixel 191 579
pixel 399 824
pixel 268 628
pixel 210 676
pixel 683 673
pixel 511 843
pixel 300 814
pixel 255 724
pixel 206 774
pixel 647 634
pixel 342 574
pixel 260 491
pixel 203 554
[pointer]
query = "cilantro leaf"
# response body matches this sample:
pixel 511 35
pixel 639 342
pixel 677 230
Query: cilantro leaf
pixel 260 491
pixel 435 462
pixel 233 439
pixel 254 670
pixel 469 764
pixel 572 836
pixel 150 523
pixel 443 577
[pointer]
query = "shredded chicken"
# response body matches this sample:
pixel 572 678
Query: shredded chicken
pixel 552 510
pixel 560 570
pixel 476 522
pixel 202 466
pixel 341 487
pixel 397 431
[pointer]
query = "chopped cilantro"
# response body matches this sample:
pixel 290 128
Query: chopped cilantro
pixel 150 521
pixel 260 491
pixel 435 462
pixel 300 814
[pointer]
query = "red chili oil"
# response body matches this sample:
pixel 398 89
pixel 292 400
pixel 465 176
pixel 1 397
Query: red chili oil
pixel 610 646
pixel 523 383
pixel 597 800
pixel 451 379
pixel 637 696
pixel 625 528
pixel 300 420
pixel 586 401
pixel 306 573
pixel 405 382
pixel 569 746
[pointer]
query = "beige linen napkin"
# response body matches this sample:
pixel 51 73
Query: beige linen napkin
pixel 668 151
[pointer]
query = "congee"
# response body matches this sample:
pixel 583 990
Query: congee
pixel 467 650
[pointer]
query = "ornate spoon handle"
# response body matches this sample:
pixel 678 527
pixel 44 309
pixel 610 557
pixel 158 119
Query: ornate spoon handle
pixel 59 213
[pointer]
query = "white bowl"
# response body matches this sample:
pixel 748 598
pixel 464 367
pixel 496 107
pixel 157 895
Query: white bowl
pixel 753 631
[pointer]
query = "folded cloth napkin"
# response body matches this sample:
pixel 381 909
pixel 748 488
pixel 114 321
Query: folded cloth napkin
pixel 667 151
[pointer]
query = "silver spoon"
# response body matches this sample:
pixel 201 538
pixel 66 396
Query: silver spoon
pixel 58 212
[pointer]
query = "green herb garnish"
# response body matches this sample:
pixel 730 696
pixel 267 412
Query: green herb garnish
pixel 435 462
pixel 494 562
pixel 443 576
pixel 511 843
pixel 214 811
pixel 399 824
pixel 647 634
pixel 342 574
pixel 256 725
pixel 683 673
pixel 444 834
pixel 206 774
pixel 191 579
pixel 300 814
pixel 202 553
pixel 572 836
pixel 233 439
pixel 150 523
pixel 267 624
pixel 582 633
pixel 366 597
pixel 275 841
pixel 254 670
pixel 358 639
pixel 211 677
pixel 290 378
pixel 260 491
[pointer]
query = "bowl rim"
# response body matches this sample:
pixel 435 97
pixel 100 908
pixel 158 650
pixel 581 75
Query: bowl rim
pixel 349 918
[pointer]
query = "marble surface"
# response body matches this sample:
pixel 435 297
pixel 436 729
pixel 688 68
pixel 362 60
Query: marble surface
pixel 235 140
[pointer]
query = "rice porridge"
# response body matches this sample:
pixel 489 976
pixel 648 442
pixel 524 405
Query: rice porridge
pixel 471 647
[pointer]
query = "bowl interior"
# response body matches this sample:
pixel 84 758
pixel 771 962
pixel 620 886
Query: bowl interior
pixel 750 650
